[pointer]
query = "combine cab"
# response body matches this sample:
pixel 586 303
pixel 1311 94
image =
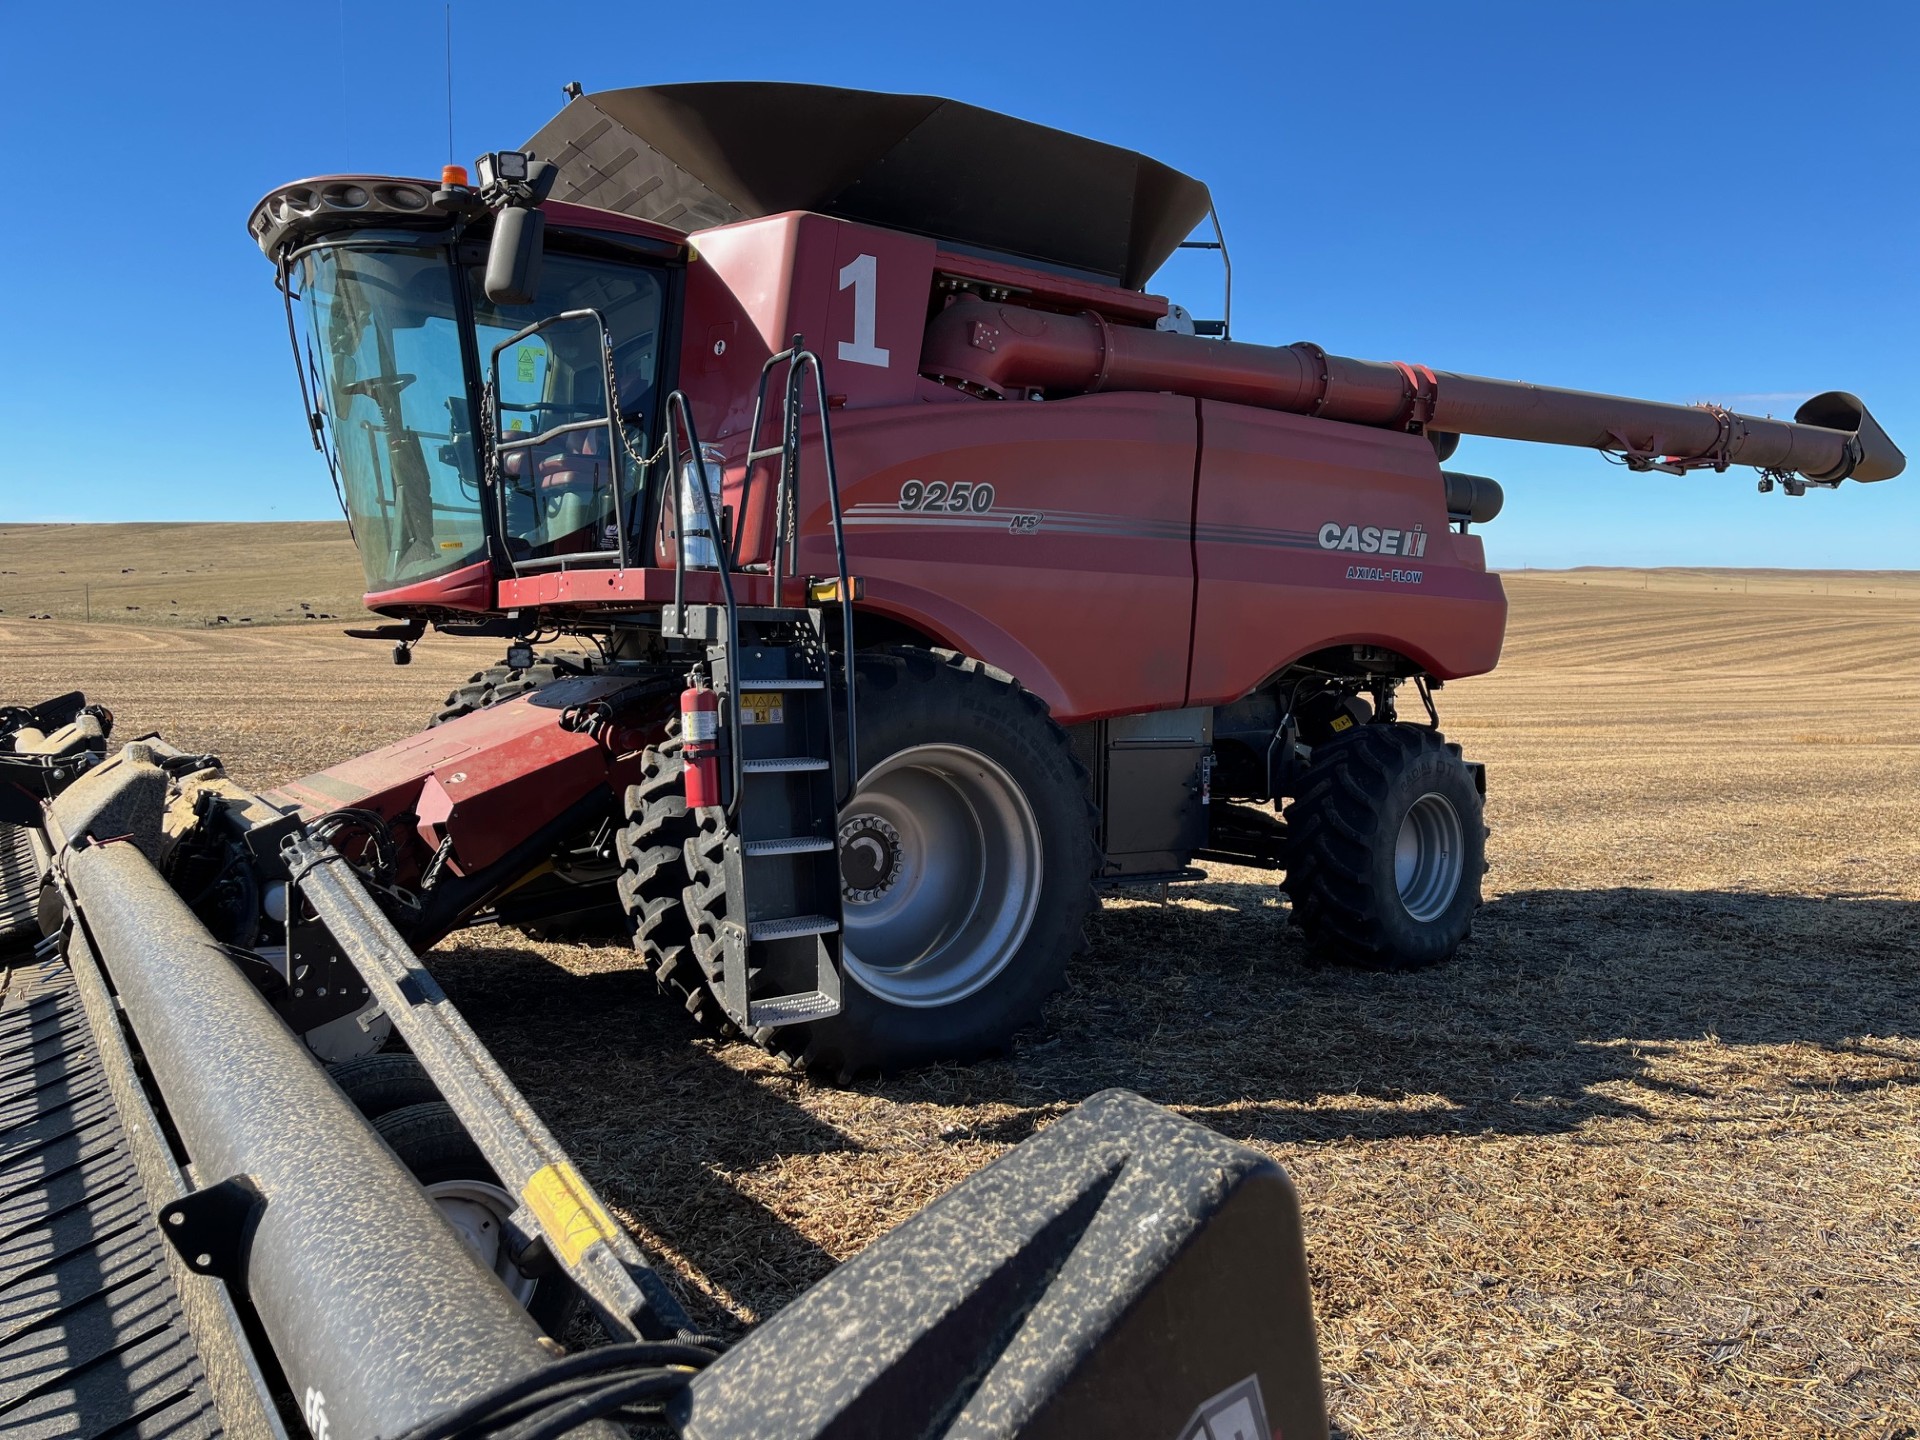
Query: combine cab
pixel 880 572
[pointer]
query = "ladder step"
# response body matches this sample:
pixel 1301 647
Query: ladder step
pixel 791 845
pixel 784 765
pixel 792 1009
pixel 790 927
pixel 749 685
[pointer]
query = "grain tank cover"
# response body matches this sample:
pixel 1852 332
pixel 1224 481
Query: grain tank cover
pixel 694 156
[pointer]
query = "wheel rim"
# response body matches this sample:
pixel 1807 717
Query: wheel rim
pixel 478 1211
pixel 940 875
pixel 1427 858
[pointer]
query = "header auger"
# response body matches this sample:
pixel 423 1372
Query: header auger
pixel 882 572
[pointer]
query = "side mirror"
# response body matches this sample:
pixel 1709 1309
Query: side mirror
pixel 519 227
pixel 513 259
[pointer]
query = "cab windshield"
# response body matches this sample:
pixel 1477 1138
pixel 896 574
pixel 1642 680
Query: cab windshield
pixel 400 401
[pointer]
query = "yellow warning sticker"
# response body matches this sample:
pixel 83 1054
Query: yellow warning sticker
pixel 762 708
pixel 529 360
pixel 572 1220
pixel 1341 722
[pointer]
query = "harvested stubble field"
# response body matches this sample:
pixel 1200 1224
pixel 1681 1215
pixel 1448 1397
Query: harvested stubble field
pixel 1642 1161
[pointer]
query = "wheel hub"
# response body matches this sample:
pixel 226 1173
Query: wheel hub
pixel 478 1211
pixel 869 859
pixel 1429 856
pixel 940 863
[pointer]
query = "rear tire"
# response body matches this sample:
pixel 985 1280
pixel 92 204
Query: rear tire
pixel 378 1084
pixel 431 1142
pixel 961 767
pixel 1386 845
pixel 499 683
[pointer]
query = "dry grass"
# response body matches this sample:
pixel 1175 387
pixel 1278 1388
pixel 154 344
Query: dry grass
pixel 1642 1161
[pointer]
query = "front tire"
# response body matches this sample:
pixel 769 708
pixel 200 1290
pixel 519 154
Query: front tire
pixel 967 861
pixel 1386 845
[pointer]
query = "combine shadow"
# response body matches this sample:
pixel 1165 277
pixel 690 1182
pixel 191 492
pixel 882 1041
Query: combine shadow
pixel 631 1087
pixel 1552 1017
pixel 1546 1020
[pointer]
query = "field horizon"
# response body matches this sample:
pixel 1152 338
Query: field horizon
pixel 207 573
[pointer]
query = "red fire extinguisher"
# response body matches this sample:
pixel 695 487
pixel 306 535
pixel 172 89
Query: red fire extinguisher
pixel 700 743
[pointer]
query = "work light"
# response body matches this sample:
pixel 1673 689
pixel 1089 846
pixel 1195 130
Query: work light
pixel 509 165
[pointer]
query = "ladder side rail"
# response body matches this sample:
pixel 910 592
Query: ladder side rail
pixel 779 555
pixel 812 361
pixel 790 463
pixel 679 421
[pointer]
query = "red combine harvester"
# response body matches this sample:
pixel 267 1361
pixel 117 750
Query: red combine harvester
pixel 925 575
pixel 1013 585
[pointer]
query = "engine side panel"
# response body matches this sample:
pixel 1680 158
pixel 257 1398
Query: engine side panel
pixel 1302 532
pixel 1075 574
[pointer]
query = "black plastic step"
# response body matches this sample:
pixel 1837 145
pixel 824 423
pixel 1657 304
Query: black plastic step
pixel 791 927
pixel 784 765
pixel 789 845
pixel 792 1009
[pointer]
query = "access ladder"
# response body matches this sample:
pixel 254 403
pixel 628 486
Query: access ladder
pixel 787 739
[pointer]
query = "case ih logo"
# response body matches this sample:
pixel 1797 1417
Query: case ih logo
pixel 1234 1414
pixel 1372 540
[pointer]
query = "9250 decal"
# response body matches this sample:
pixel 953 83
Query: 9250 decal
pixel 959 498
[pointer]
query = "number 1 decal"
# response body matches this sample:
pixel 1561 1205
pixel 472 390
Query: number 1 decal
pixel 862 274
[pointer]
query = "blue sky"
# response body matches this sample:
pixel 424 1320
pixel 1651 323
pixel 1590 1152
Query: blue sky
pixel 1681 201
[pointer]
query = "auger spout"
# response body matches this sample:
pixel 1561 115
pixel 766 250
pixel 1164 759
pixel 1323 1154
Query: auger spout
pixel 1002 348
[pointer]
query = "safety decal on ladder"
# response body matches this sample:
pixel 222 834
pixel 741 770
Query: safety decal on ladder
pixel 761 708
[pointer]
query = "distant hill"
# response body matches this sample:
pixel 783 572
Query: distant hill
pixel 275 573
pixel 1884 584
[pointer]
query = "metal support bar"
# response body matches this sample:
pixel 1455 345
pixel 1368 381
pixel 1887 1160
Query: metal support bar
pixel 1224 327
pixel 379 1314
pixel 596 1252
